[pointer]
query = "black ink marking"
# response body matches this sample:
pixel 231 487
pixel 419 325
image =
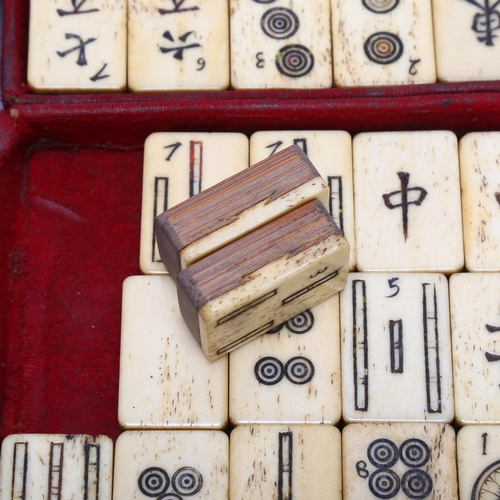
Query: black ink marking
pixel 416 484
pixel 177 8
pixel 414 453
pixel 153 481
pixel 405 203
pixel 264 1
pixel 187 481
pixel 485 23
pixel 360 345
pixel 380 6
pixel 396 346
pixel 383 453
pixel 160 204
pixel 178 51
pixel 431 348
pixel 246 307
pixel 285 466
pixel 99 75
pixel 269 370
pixel 383 48
pixel 275 145
pixel 484 436
pixel 392 285
pixel 174 147
pixel 201 63
pixel 361 469
pixel 92 469
pixel 492 357
pixel 279 23
pixel 310 287
pixel 81 61
pixel 246 337
pixel 19 471
pixel 302 143
pixel 446 102
pixel 487 484
pixel 299 370
pixel 301 323
pixel 321 271
pixel 195 167
pixel 76 9
pixel 413 66
pixel 56 463
pixel 497 197
pixel 260 60
pixel 294 61
pixel 384 483
pixel 335 202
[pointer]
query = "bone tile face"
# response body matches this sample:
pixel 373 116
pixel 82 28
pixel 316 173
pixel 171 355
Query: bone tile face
pixel 479 462
pixel 77 46
pixel 396 352
pixel 165 380
pixel 177 166
pixel 171 465
pixel 480 181
pixel 285 462
pixel 475 316
pixel 382 42
pixel 56 466
pixel 291 375
pixel 467 43
pixel 178 45
pixel 280 44
pixel 331 154
pixel 399 461
pixel 407 202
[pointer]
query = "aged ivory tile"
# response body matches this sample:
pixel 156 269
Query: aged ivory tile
pixel 283 462
pixel 165 380
pixel 280 44
pixel 480 180
pixel 396 348
pixel 77 46
pixel 178 165
pixel 467 43
pixel 407 202
pixel 171 465
pixel 399 461
pixel 290 375
pixel 56 466
pixel 478 458
pixel 331 153
pixel 475 321
pixel 178 45
pixel 382 42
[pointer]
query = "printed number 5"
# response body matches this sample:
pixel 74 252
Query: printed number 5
pixel 393 285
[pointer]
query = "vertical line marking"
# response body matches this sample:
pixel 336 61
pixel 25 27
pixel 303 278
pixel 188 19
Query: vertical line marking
pixel 285 466
pixel 19 471
pixel 160 204
pixel 55 471
pixel 195 166
pixel 92 467
pixel 336 204
pixel 396 334
pixel 360 345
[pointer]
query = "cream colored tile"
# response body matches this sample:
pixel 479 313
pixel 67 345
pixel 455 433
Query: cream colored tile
pixel 382 42
pixel 56 466
pixel 178 45
pixel 396 352
pixel 479 462
pixel 292 375
pixel 179 165
pixel 467 43
pixel 165 380
pixel 480 180
pixel 77 46
pixel 331 154
pixel 284 462
pixel 407 202
pixel 399 461
pixel 280 44
pixel 171 465
pixel 475 316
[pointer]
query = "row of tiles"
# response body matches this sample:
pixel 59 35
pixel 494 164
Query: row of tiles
pixel 369 461
pixel 405 201
pixel 98 45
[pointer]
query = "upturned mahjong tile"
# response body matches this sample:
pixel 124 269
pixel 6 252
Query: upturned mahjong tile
pixel 467 39
pixel 396 348
pixel 77 46
pixel 280 44
pixel 171 465
pixel 177 166
pixel 407 202
pixel 399 461
pixel 285 462
pixel 480 179
pixel 382 42
pixel 478 459
pixel 290 375
pixel 178 45
pixel 331 154
pixel 56 466
pixel 165 379
pixel 475 321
